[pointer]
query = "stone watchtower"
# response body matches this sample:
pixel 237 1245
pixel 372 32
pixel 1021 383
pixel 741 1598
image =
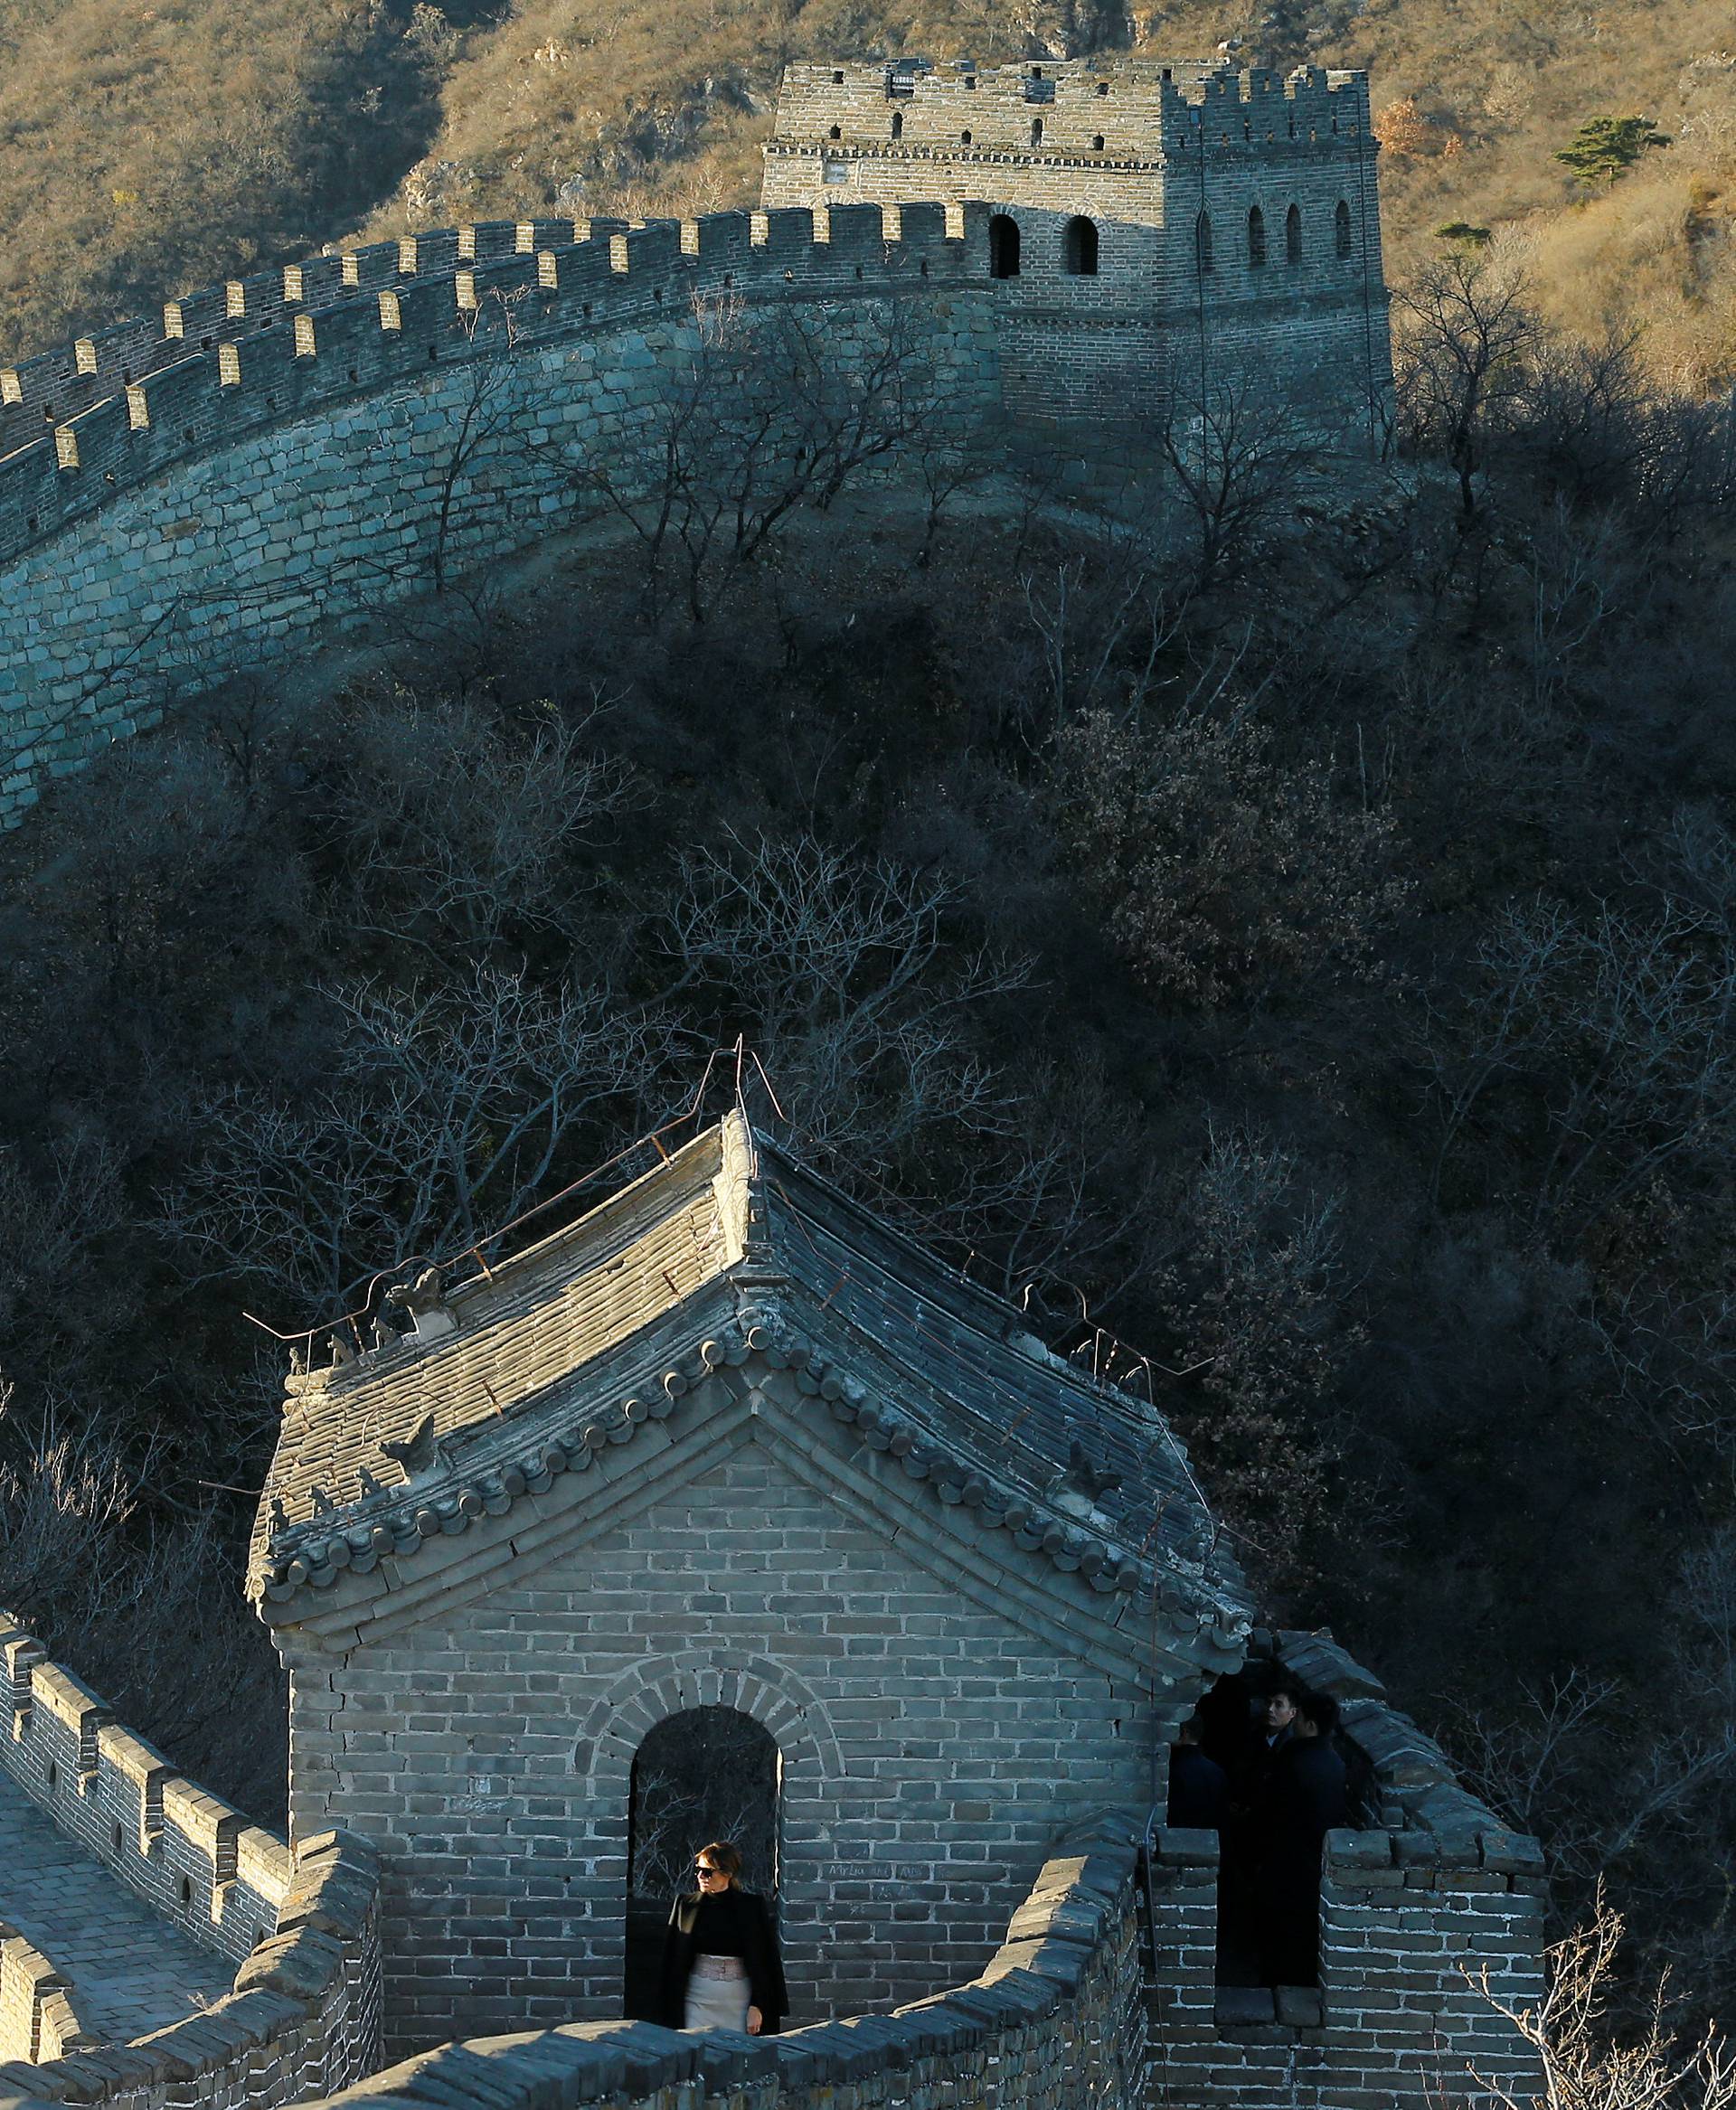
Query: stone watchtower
pixel 727 1511
pixel 726 1506
pixel 1165 234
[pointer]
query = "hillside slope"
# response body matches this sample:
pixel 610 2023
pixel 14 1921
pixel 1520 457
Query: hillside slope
pixel 651 111
pixel 149 148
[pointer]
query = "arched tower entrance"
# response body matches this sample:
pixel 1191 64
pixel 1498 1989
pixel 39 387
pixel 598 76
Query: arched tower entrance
pixel 707 1773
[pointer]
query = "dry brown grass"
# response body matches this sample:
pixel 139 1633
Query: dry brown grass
pixel 144 147
pixel 147 147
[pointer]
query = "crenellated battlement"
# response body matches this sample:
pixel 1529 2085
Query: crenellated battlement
pixel 1063 248
pixel 234 360
pixel 298 1928
pixel 190 1855
pixel 60 383
pixel 1105 112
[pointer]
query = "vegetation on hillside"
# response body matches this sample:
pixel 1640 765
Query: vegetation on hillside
pixel 1308 929
pixel 1303 930
pixel 144 151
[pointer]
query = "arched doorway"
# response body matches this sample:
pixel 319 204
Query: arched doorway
pixel 708 1773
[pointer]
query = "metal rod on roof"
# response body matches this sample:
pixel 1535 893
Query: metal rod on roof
pixel 775 1106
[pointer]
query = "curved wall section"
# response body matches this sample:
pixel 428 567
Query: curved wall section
pixel 213 511
pixel 297 1930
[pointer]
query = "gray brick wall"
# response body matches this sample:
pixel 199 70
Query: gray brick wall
pixel 1056 2020
pixel 1143 149
pixel 302 2018
pixel 931 1750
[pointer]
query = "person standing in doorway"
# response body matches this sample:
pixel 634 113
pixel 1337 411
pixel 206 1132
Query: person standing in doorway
pixel 720 1965
pixel 1306 1799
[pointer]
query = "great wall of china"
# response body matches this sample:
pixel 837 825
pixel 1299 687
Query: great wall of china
pixel 289 453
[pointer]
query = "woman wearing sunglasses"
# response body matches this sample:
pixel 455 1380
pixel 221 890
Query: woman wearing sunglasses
pixel 720 1965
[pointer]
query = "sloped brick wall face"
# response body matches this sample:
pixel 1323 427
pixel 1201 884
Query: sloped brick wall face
pixel 1403 2019
pixel 222 509
pixel 205 489
pixel 930 1751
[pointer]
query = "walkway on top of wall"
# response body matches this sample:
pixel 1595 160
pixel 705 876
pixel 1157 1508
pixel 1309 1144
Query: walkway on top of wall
pixel 130 1972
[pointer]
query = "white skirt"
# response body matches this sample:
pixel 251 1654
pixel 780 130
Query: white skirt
pixel 715 2003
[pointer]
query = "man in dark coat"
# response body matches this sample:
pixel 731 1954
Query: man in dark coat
pixel 1305 1798
pixel 1265 1729
pixel 1199 1787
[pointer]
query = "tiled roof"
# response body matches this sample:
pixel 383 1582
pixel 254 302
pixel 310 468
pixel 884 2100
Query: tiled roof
pixel 731 1251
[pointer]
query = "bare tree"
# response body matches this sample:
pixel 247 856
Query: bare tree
pixel 1239 464
pixel 856 995
pixel 447 1108
pixel 1107 622
pixel 773 411
pixel 1464 342
pixel 488 408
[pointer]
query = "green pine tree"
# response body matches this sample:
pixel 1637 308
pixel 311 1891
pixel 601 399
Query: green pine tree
pixel 1604 148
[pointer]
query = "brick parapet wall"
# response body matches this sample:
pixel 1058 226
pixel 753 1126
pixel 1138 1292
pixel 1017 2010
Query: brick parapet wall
pixel 275 512
pixel 1092 112
pixel 1426 1920
pixel 381 327
pixel 302 1928
pixel 38 2015
pixel 167 487
pixel 1055 2022
pixel 59 384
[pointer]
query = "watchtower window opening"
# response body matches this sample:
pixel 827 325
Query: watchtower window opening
pixel 964 137
pixel 837 80
pixel 1002 246
pixel 1081 248
pixel 1102 87
pixel 898 124
pixel 836 133
pixel 1256 238
pixel 1097 143
pixel 1293 235
pixel 1203 243
pixel 1036 131
pixel 1341 229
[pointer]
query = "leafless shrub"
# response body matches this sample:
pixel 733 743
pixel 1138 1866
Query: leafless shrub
pixel 1258 1298
pixel 1616 1028
pixel 62 1501
pixel 1225 871
pixel 1583 2062
pixel 857 997
pixel 466 830
pixel 447 1108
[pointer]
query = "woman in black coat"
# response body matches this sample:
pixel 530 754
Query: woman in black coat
pixel 720 1965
